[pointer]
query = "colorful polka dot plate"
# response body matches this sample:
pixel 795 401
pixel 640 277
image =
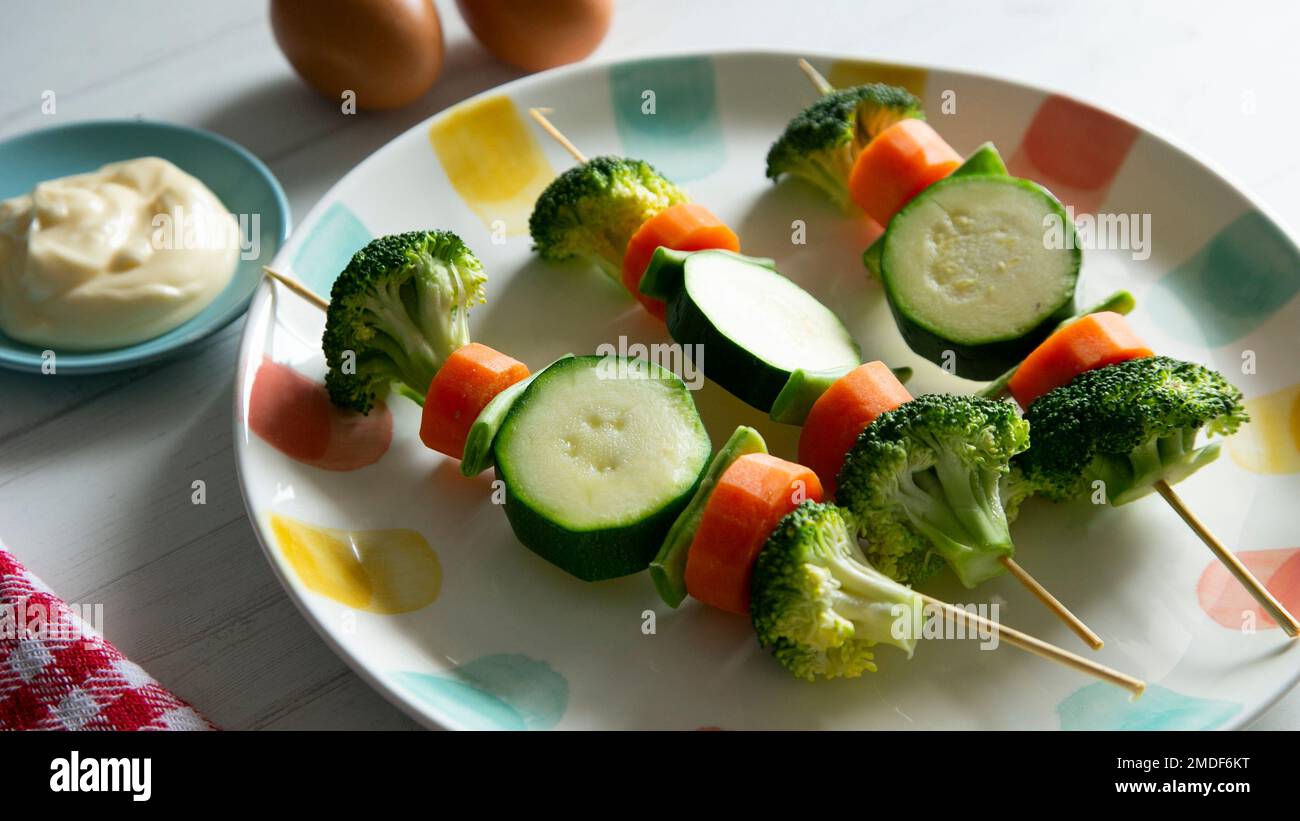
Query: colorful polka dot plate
pixel 411 573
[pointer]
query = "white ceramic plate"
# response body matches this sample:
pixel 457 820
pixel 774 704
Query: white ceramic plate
pixel 489 635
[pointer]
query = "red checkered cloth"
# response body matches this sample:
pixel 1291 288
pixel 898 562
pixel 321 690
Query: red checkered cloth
pixel 58 673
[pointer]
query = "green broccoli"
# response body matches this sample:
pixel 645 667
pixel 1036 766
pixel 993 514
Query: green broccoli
pixel 923 479
pixel 399 308
pixel 818 605
pixel 823 141
pixel 591 211
pixel 1014 489
pixel 1128 425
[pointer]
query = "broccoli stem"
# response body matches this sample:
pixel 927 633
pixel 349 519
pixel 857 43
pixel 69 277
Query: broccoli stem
pixel 869 599
pixel 405 345
pixel 959 511
pixel 1172 457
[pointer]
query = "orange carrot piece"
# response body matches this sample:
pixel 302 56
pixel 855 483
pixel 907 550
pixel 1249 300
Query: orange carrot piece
pixel 839 415
pixel 749 500
pixel 897 165
pixel 682 227
pixel 1090 342
pixel 470 378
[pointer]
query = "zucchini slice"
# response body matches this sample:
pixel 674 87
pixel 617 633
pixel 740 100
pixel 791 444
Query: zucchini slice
pixel 599 455
pixel 968 269
pixel 668 570
pixel 478 445
pixel 983 160
pixel 754 326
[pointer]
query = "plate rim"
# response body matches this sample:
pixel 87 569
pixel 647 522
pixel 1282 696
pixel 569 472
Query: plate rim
pixel 123 358
pixel 431 717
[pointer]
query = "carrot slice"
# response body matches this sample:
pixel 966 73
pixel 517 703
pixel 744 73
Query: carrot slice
pixel 841 413
pixel 682 227
pixel 470 378
pixel 1090 342
pixel 897 165
pixel 745 506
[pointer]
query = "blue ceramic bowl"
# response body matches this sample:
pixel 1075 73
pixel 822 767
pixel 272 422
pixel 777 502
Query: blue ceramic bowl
pixel 240 180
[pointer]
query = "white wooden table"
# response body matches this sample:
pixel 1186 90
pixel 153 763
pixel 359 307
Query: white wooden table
pixel 96 472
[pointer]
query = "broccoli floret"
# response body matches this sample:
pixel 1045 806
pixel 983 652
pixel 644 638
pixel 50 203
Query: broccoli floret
pixel 1128 425
pixel 1014 489
pixel 817 603
pixel 823 141
pixel 591 211
pixel 395 314
pixel 923 479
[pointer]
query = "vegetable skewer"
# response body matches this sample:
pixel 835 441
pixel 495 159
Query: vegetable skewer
pixel 1076 625
pixel 820 606
pixel 478 357
pixel 1114 396
pixel 970 280
pixel 912 471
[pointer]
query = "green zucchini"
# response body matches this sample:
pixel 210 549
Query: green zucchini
pixel 804 388
pixel 970 278
pixel 754 326
pixel 598 457
pixel 478 445
pixel 668 570
pixel 984 160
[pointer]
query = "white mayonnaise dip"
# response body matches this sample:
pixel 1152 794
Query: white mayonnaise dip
pixel 113 257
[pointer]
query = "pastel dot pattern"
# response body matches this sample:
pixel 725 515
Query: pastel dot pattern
pixel 1102 706
pixel 379 571
pixel 294 415
pixel 665 112
pixel 845 73
pixel 1239 279
pixel 1224 599
pixel 328 248
pixel 1075 150
pixel 493 160
pixel 495 692
pixel 1271 442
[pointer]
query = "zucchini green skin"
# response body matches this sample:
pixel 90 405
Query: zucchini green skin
pixel 668 570
pixel 592 555
pixel 601 553
pixel 987 360
pixel 984 160
pixel 478 445
pixel 728 363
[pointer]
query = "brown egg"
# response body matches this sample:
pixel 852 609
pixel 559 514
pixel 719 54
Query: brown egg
pixel 388 52
pixel 536 35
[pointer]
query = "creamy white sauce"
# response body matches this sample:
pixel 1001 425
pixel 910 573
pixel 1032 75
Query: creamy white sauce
pixel 113 257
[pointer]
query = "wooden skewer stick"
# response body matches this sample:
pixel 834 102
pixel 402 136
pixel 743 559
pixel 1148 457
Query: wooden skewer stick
pixel 539 114
pixel 1052 603
pixel 297 287
pixel 815 77
pixel 1041 648
pixel 1266 599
